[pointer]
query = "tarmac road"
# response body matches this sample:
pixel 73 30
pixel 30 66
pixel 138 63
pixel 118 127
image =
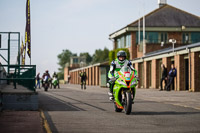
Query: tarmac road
pixel 71 109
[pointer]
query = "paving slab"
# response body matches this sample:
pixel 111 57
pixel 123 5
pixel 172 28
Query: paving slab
pixel 21 122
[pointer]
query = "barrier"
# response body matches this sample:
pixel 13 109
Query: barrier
pixel 21 74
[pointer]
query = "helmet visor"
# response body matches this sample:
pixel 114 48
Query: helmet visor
pixel 121 58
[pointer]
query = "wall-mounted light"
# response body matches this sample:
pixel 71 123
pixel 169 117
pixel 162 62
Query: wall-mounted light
pixel 173 41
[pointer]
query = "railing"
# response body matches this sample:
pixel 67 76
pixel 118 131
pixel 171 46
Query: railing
pixel 21 74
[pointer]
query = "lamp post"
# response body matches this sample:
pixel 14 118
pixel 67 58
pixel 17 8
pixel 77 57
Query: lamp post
pixel 173 41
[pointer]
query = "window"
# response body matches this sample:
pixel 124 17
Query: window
pixel 128 40
pixel 122 42
pixel 75 60
pixel 141 37
pixel 118 43
pixel 152 37
pixel 185 37
pixel 163 37
pixel 195 37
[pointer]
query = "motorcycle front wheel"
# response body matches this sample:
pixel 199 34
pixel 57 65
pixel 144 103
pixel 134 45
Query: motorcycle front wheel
pixel 128 103
pixel 46 87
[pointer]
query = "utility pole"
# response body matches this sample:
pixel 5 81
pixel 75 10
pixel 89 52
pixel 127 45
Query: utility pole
pixel 139 29
pixel 144 41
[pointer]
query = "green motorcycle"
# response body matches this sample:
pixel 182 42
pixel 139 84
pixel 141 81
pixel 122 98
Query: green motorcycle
pixel 55 82
pixel 124 89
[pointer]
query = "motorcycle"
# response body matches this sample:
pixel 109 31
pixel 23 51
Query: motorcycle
pixel 55 82
pixel 124 89
pixel 46 83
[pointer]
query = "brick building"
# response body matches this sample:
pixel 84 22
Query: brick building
pixel 75 62
pixel 186 60
pixel 96 74
pixel 162 24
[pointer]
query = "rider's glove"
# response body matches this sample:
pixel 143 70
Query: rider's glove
pixel 112 78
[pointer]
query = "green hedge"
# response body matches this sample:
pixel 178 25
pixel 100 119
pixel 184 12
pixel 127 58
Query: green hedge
pixel 113 54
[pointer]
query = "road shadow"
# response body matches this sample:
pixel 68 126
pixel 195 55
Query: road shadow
pixel 163 113
pixel 81 102
pixel 48 103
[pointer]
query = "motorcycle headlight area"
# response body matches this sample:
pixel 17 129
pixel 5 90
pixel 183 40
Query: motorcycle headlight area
pixel 121 82
pixel 133 83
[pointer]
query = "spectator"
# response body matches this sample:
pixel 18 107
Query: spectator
pixel 172 74
pixel 38 80
pixel 69 77
pixel 164 77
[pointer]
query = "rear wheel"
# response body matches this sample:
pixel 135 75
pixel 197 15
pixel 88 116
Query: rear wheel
pixel 128 103
pixel 117 109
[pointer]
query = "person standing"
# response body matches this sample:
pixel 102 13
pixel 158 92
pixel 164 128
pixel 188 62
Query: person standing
pixel 172 74
pixel 164 77
pixel 83 79
pixel 38 80
pixel 69 77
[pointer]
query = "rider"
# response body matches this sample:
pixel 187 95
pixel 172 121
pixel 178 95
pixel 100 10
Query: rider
pixel 56 76
pixel 47 74
pixel 83 79
pixel 116 65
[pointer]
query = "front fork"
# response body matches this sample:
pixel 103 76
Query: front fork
pixel 123 93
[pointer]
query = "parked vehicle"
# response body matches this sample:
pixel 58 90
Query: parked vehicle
pixel 124 89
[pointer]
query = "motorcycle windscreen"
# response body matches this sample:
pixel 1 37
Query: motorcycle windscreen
pixel 127 75
pixel 126 71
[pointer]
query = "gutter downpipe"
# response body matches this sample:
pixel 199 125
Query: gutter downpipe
pixel 139 31
pixel 189 52
pixel 144 49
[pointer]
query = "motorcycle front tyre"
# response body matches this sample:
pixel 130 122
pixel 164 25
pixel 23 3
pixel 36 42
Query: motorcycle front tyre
pixel 45 88
pixel 128 106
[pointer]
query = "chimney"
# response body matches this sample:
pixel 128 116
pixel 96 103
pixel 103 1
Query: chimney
pixel 162 3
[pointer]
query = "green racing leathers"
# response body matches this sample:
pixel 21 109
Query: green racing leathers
pixel 124 89
pixel 114 68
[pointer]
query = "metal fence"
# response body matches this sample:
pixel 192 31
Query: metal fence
pixel 21 74
pixel 10 69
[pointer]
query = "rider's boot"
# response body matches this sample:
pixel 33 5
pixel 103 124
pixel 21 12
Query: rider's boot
pixel 111 98
pixel 85 87
pixel 110 94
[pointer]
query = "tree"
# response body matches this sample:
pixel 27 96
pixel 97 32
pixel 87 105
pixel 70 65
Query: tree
pixel 88 57
pixel 63 58
pixel 100 55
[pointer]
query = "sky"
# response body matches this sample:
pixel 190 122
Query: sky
pixel 76 25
